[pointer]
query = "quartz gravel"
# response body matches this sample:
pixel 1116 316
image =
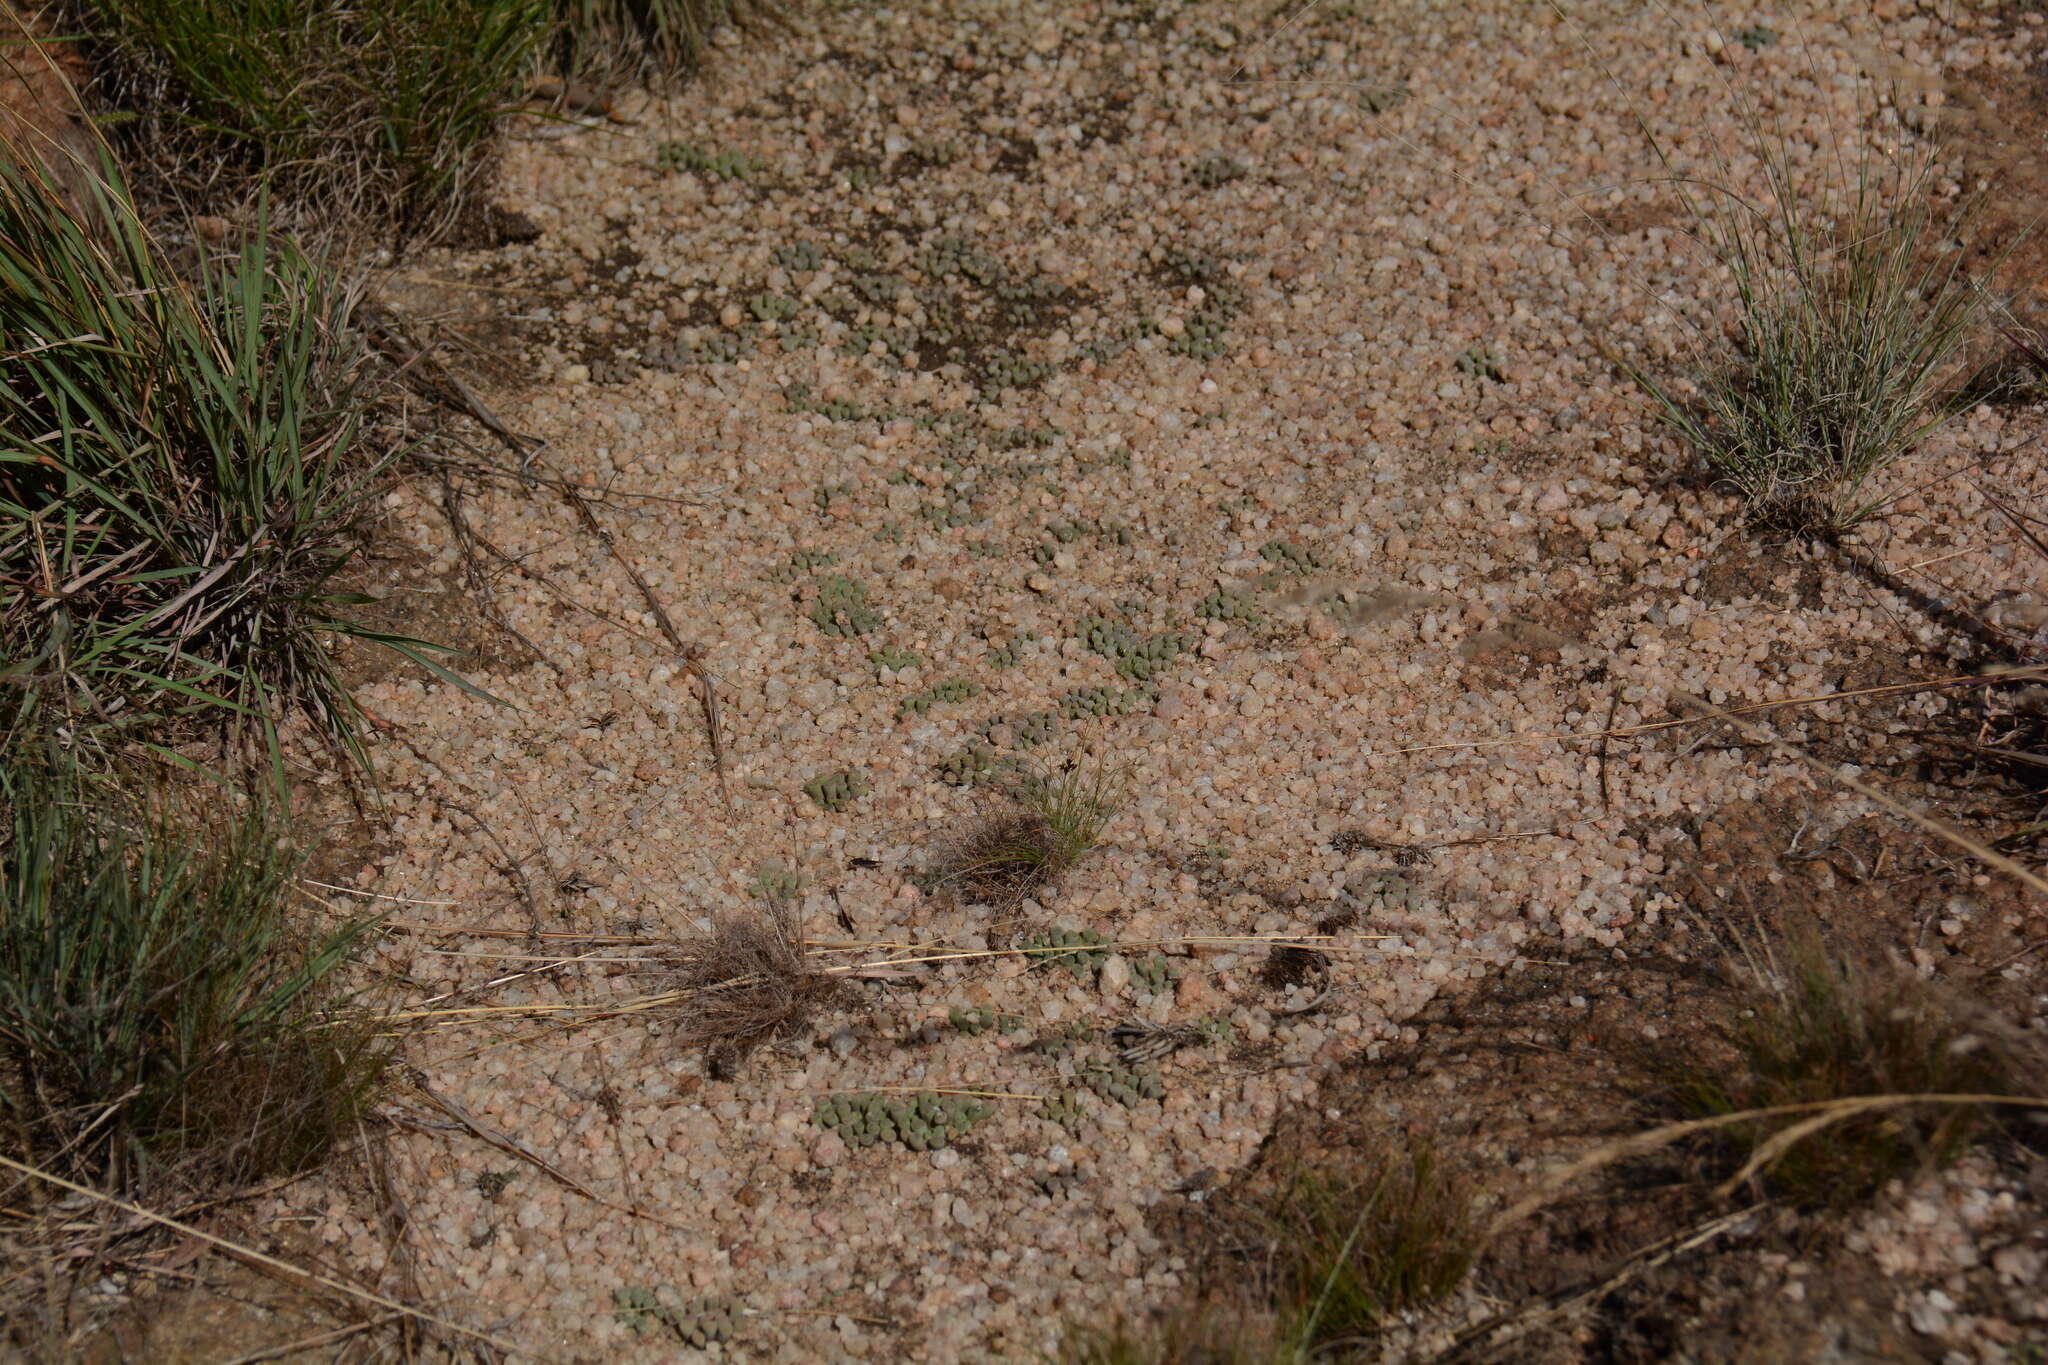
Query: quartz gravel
pixel 1443 212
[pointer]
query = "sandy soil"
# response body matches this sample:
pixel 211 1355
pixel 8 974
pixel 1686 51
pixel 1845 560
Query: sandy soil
pixel 1265 358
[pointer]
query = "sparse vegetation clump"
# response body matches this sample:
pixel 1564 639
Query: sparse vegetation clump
pixel 923 1121
pixel 750 980
pixel 1813 1025
pixel 1340 1252
pixel 385 110
pixel 1354 1245
pixel 181 471
pixel 1058 820
pixel 625 39
pixel 165 1020
pixel 1851 312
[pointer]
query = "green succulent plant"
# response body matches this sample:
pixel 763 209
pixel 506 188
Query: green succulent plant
pixel 841 608
pixel 835 792
pixel 924 1121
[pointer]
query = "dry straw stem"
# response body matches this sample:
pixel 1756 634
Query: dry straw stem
pixel 1815 1115
pixel 248 1255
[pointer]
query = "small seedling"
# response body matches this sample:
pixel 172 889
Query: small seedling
pixel 1756 37
pixel 835 792
pixel 1215 170
pixel 775 882
pixel 1476 362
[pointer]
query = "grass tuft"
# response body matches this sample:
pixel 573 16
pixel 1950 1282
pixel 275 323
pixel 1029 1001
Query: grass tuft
pixel 180 479
pixel 1342 1247
pixel 1814 1025
pixel 750 981
pixel 1355 1245
pixel 160 1020
pixel 628 39
pixel 1058 819
pixel 1851 312
pixel 381 111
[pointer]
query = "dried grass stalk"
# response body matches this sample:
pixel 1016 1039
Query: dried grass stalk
pixel 750 981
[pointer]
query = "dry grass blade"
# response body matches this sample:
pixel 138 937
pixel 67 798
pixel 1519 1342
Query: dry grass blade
pixel 1653 1139
pixel 750 981
pixel 249 1255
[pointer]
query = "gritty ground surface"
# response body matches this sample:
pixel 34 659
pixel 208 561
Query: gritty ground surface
pixel 1021 385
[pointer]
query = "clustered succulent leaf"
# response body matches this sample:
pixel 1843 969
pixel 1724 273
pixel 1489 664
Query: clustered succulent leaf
pixel 1229 604
pixel 688 156
pixel 775 882
pixel 1027 731
pixel 698 1322
pixel 836 791
pixel 841 608
pixel 1064 1042
pixel 1108 701
pixel 1216 169
pixel 1011 654
pixel 923 1122
pixel 1135 658
pixel 767 307
pixel 951 690
pixel 981 1019
pixel 1128 1086
pixel 1080 951
pixel 802 564
pixel 799 256
pixel 1064 1108
pixel 1292 557
pixel 890 659
pixel 971 766
pixel 1154 974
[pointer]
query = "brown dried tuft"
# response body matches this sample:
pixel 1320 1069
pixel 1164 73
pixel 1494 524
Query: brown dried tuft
pixel 750 981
